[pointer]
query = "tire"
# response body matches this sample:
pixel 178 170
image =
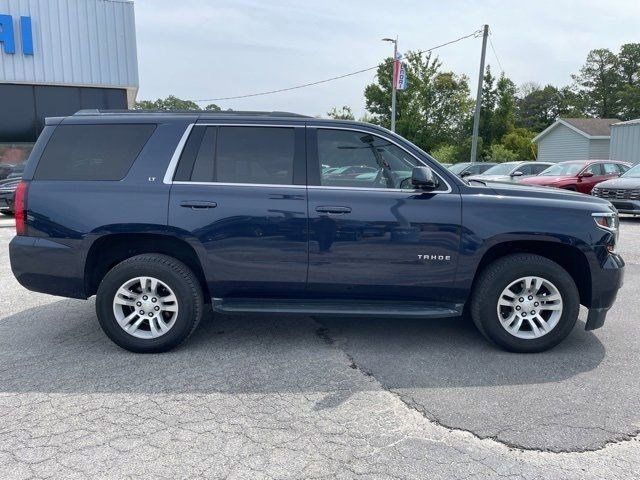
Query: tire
pixel 173 279
pixel 505 272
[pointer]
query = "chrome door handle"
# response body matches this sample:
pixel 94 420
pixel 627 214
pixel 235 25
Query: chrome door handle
pixel 198 204
pixel 331 210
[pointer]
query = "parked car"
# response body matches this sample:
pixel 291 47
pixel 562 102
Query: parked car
pixel 158 214
pixel 578 175
pixel 8 188
pixel 510 172
pixel 5 170
pixel 623 192
pixel 465 169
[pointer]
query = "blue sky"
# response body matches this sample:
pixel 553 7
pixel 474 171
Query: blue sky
pixel 201 49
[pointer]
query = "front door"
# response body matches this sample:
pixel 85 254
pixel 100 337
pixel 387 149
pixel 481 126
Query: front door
pixel 371 234
pixel 239 192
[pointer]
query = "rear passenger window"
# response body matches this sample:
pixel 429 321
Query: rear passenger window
pixel 254 155
pixel 92 152
pixel 611 169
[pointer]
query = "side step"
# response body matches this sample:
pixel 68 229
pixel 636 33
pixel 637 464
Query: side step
pixel 375 308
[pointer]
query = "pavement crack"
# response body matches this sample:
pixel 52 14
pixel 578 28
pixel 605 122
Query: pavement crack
pixel 324 333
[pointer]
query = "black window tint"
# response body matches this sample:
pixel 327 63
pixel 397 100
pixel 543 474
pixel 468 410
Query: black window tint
pixel 539 169
pixel 525 169
pixel 255 155
pixel 92 152
pixel 203 166
pixel 189 154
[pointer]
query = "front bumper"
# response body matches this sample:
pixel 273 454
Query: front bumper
pixel 626 206
pixel 606 280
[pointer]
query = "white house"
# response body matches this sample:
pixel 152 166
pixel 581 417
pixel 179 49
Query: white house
pixel 625 141
pixel 575 139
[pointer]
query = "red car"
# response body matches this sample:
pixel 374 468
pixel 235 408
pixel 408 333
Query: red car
pixel 578 175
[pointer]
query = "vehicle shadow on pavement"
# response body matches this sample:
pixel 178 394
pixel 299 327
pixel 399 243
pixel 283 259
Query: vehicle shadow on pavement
pixel 59 347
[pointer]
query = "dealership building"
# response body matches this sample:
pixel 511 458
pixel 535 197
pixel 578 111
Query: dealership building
pixel 58 57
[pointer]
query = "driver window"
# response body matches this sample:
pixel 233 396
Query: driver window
pixel 358 159
pixel 596 169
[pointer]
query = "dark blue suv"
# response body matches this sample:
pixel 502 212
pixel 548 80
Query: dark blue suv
pixel 158 214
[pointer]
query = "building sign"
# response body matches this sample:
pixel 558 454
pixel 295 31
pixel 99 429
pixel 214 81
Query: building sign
pixel 8 37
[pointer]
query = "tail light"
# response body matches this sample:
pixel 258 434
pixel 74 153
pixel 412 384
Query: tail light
pixel 20 208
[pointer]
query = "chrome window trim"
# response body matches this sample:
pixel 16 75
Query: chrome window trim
pixel 175 158
pixel 351 129
pixel 225 184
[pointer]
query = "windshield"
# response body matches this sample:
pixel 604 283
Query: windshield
pixel 458 167
pixel 501 169
pixel 563 169
pixel 633 173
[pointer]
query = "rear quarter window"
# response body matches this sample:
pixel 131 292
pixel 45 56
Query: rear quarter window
pixel 92 152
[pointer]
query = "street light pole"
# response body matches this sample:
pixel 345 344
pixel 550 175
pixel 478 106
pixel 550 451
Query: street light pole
pixel 393 82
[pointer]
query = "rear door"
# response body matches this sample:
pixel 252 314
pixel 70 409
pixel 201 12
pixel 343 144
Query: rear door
pixel 239 191
pixel 374 236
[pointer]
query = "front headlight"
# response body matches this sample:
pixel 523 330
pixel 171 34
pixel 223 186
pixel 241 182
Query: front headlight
pixel 610 222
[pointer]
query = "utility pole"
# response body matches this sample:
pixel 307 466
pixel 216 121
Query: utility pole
pixel 393 81
pixel 476 116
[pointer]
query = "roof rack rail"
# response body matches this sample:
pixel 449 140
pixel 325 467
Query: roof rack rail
pixel 96 111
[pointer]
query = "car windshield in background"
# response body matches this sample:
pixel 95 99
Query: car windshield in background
pixel 458 167
pixel 563 169
pixel 633 173
pixel 502 169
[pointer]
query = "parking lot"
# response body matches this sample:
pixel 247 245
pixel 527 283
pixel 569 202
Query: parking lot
pixel 269 397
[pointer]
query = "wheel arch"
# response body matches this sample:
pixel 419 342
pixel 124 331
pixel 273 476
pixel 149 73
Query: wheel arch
pixel 109 250
pixel 569 257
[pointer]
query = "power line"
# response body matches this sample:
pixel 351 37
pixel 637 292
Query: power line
pixel 494 51
pixel 310 84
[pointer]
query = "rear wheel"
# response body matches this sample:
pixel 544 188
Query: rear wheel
pixel 525 303
pixel 149 303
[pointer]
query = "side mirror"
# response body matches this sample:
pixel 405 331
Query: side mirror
pixel 586 174
pixel 517 173
pixel 465 174
pixel 423 177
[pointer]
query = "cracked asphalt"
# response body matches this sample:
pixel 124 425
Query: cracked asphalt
pixel 291 398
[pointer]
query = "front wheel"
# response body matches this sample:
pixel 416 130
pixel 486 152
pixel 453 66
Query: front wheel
pixel 149 303
pixel 525 303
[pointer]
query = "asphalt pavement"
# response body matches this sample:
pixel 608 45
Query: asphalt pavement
pixel 269 397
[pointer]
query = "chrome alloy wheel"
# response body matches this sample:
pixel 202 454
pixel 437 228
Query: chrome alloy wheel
pixel 530 307
pixel 145 307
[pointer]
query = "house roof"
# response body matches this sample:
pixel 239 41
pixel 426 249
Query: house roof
pixel 592 128
pixel 629 122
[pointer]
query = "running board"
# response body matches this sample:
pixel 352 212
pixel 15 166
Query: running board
pixel 376 308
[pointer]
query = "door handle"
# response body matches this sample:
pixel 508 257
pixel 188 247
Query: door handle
pixel 198 204
pixel 331 210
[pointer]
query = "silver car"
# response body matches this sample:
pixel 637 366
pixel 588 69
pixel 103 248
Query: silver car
pixel 510 172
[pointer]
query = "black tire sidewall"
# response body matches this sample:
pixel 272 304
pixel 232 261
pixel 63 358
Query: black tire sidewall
pixel 174 274
pixel 500 276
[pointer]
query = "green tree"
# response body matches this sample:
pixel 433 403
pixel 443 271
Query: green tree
pixel 499 153
pixel 172 103
pixel 629 94
pixel 599 83
pixel 343 113
pixel 504 115
pixel 487 108
pixel 446 154
pixel 519 142
pixel 433 109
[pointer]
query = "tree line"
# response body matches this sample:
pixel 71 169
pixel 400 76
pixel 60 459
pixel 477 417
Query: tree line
pixel 436 110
